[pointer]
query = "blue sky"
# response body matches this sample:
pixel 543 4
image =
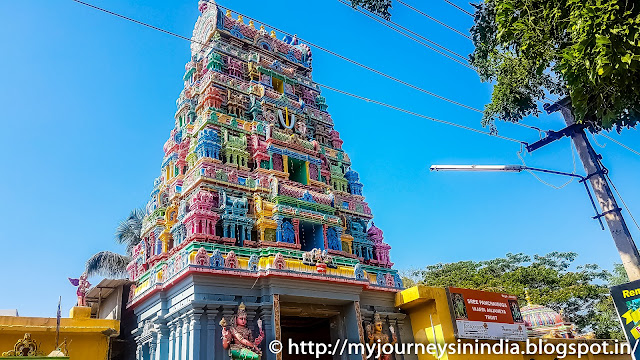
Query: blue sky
pixel 88 101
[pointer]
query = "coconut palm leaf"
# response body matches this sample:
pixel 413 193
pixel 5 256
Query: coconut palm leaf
pixel 128 231
pixel 108 264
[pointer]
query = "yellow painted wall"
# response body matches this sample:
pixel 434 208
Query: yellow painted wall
pixel 87 338
pixel 429 313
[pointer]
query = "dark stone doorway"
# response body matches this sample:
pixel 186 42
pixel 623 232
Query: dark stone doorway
pixel 305 329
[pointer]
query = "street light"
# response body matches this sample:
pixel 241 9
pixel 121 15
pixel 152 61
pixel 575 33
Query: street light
pixel 507 168
pixel 503 168
pixel 519 168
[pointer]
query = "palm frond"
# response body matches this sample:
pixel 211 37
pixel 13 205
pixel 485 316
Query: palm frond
pixel 108 264
pixel 128 231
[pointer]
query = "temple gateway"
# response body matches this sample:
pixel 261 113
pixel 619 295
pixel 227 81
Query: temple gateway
pixel 257 229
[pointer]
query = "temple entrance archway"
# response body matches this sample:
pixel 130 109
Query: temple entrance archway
pixel 305 330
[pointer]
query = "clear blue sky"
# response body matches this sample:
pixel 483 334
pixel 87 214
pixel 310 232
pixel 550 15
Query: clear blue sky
pixel 88 101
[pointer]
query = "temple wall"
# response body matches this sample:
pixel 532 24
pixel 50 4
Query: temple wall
pixel 183 322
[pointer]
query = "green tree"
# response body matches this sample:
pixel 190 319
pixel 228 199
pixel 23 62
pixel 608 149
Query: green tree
pixel 582 294
pixel 586 49
pixel 114 265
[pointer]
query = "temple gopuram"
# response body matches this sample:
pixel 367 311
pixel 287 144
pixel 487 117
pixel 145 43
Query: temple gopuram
pixel 257 229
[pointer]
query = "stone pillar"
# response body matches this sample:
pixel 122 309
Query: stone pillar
pixel 184 354
pixel 139 352
pixel 194 334
pixel 211 334
pixel 162 348
pixel 177 340
pixel 153 346
pixel 172 334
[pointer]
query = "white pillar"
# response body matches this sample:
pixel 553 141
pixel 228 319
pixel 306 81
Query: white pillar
pixel 194 334
pixel 184 355
pixel 211 334
pixel 172 331
pixel 177 339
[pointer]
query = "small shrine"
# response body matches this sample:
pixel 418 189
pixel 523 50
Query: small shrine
pixel 77 337
pixel 543 322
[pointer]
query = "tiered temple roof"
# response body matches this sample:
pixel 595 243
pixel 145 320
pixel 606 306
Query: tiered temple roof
pixel 254 180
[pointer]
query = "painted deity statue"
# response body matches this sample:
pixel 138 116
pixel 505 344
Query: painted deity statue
pixel 377 336
pixel 83 286
pixel 237 338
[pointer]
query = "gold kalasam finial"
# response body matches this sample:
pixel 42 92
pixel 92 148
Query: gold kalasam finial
pixel 251 24
pixel 527 297
pixel 273 34
pixel 240 18
pixel 228 13
pixel 262 28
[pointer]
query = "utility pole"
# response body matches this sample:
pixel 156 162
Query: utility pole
pixel 596 176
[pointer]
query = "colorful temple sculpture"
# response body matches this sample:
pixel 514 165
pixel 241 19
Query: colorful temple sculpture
pixel 257 228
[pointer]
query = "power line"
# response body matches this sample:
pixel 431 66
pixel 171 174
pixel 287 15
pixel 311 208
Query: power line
pixel 398 30
pixel 308 42
pixel 324 86
pixel 623 202
pixel 138 22
pixel 573 158
pixel 420 115
pixel 363 66
pixel 434 19
pixel 459 8
pixel 619 143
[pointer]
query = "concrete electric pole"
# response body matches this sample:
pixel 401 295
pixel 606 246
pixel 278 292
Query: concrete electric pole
pixel 596 176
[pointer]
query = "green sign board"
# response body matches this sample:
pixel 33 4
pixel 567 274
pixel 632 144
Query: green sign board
pixel 626 298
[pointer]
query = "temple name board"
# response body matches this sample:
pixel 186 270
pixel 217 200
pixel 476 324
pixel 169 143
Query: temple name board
pixel 486 315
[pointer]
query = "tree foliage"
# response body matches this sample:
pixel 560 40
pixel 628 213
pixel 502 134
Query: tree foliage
pixel 587 49
pixel 113 265
pixel 108 264
pixel 379 7
pixel 582 295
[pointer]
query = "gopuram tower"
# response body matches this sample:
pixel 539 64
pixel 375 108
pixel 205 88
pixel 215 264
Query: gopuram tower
pixel 257 229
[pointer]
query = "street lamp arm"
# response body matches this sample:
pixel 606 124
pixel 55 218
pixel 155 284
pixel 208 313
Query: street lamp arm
pixel 582 178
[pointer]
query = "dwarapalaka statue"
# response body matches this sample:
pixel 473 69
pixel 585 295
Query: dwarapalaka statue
pixel 83 286
pixel 237 338
pixel 377 336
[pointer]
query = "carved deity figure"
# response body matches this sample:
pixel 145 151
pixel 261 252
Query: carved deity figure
pixel 238 339
pixel 83 286
pixel 377 336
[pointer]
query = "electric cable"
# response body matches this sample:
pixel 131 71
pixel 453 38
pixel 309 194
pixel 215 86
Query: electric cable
pixel 434 19
pixel 419 115
pixel 372 69
pixel 624 203
pixel 361 65
pixel 619 143
pixel 458 7
pixel 573 157
pixel 324 86
pixel 388 24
